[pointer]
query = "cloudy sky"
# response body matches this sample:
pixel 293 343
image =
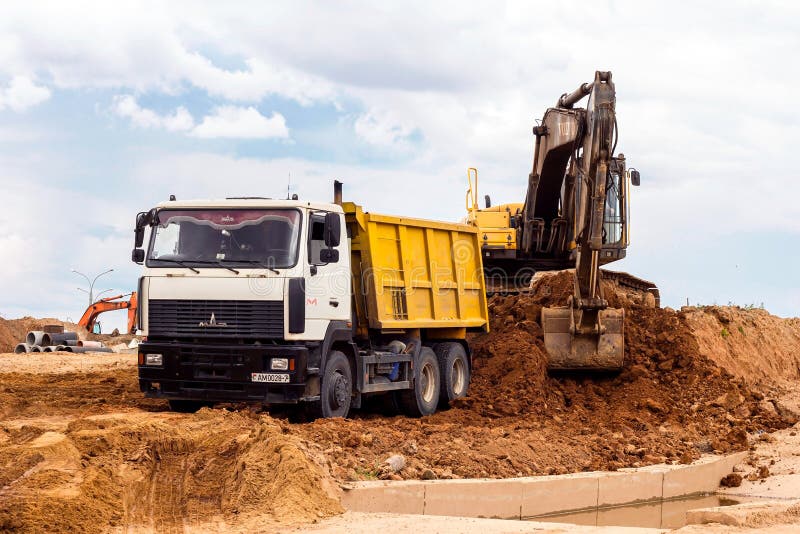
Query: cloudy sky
pixel 107 108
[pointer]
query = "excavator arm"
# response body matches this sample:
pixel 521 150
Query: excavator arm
pixel 110 304
pixel 575 216
pixel 586 334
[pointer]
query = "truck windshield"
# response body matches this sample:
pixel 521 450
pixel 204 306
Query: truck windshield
pixel 225 237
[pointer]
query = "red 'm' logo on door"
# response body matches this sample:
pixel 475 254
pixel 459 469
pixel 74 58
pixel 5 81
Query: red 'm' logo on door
pixel 311 302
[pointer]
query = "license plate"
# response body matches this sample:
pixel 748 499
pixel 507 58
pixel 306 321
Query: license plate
pixel 269 377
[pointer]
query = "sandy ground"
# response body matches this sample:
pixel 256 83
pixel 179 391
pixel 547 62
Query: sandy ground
pixel 59 363
pixel 82 449
pixel 779 454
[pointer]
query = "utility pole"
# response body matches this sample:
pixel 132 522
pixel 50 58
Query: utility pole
pixel 91 284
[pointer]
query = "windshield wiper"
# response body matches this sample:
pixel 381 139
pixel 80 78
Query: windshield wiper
pixel 221 263
pixel 179 262
pixel 256 262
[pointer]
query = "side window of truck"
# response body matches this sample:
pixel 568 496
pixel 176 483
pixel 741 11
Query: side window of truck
pixel 316 238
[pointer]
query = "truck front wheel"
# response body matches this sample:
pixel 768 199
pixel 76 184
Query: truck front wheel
pixel 423 398
pixel 336 389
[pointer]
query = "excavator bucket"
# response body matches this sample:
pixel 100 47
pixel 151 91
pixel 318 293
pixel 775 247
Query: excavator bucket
pixel 568 349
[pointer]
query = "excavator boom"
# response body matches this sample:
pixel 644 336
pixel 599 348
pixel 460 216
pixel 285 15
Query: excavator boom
pixel 575 216
pixel 110 304
pixel 586 334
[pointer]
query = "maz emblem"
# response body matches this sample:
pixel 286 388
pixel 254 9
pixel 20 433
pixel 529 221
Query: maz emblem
pixel 212 322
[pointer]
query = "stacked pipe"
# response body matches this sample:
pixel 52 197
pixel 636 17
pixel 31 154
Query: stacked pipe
pixel 53 338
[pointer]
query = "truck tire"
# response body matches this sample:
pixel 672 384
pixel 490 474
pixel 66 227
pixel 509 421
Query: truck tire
pixel 336 388
pixel 454 368
pixel 186 406
pixel 423 398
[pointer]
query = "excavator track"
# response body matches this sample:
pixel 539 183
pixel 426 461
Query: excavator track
pixel 496 286
pixel 633 282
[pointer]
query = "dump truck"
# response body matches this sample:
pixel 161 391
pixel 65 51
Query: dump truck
pixel 305 303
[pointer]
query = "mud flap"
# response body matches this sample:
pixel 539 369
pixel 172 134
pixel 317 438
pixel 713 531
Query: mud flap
pixel 568 349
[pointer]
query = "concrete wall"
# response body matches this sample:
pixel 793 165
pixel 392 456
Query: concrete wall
pixel 531 496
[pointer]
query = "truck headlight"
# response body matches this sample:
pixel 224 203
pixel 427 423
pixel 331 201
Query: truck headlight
pixel 153 359
pixel 279 364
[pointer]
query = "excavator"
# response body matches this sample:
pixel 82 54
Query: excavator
pixel 89 317
pixel 575 216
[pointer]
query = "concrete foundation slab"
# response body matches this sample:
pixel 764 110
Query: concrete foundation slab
pixel 624 488
pixel 535 496
pixel 543 495
pixel 397 497
pixel 474 498
pixel 702 476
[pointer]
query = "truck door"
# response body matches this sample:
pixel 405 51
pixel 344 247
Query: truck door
pixel 327 284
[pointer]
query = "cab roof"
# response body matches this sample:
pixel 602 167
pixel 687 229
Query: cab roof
pixel 248 203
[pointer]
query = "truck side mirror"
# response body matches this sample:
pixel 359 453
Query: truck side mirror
pixel 333 230
pixel 635 178
pixel 138 236
pixel 137 255
pixel 329 255
pixel 138 232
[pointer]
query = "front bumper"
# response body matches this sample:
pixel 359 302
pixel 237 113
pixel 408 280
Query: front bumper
pixel 221 373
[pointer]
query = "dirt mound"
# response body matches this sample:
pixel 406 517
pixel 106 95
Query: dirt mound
pixel 677 398
pixel 13 331
pixel 748 342
pixel 159 471
pixel 670 403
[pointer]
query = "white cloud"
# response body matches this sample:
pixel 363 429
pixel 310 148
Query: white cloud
pixel 383 128
pixel 178 121
pixel 241 123
pixel 21 94
pixel 468 80
pixel 231 122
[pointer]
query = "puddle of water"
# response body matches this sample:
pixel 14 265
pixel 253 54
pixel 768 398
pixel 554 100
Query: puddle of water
pixel 654 514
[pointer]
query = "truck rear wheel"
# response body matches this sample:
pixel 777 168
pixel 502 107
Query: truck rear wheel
pixel 423 398
pixel 336 389
pixel 454 368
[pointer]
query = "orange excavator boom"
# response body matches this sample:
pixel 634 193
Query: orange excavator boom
pixel 110 304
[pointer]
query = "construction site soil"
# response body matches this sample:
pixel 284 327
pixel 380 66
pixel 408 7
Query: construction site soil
pixel 81 449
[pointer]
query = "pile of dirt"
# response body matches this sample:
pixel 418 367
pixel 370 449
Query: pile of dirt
pixel 749 342
pixel 13 331
pixel 671 403
pixel 80 436
pixel 157 471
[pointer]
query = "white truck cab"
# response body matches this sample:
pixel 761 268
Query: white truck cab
pixel 225 281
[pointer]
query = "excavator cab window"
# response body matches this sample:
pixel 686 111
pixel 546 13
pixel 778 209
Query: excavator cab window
pixel 613 218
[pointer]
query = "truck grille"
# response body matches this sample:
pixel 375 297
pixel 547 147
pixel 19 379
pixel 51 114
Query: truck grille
pixel 241 319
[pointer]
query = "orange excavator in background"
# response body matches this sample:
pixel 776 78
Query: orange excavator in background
pixel 110 304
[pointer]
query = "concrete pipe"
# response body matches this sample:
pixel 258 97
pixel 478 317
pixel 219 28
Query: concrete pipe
pixel 47 349
pixel 60 348
pixel 92 344
pixel 21 348
pixel 53 328
pixel 35 337
pixel 67 348
pixel 72 342
pixel 57 339
pixel 36 348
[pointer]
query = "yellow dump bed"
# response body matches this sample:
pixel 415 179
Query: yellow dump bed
pixel 416 274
